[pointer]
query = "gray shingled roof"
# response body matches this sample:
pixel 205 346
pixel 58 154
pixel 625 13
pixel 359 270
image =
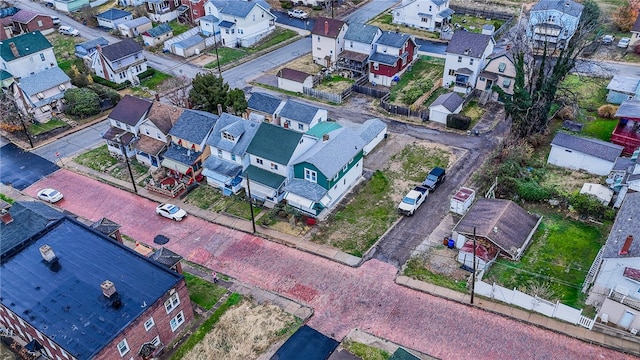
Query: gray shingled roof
pixel 29 218
pixel 393 39
pixel 217 165
pixel 159 30
pixel 239 8
pixel 298 111
pixel 193 126
pixel 626 224
pixel 383 58
pixel 121 49
pixel 593 147
pixel 113 14
pixel 450 101
pixel 573 8
pixel 136 22
pixel 243 130
pixel 636 25
pixel 472 43
pixel 189 42
pixel 629 109
pixel 92 44
pixel 263 102
pixel 181 155
pixel 370 129
pixel 332 155
pixel 327 27
pixel 293 75
pixel 44 80
pixel 361 33
pixel 306 189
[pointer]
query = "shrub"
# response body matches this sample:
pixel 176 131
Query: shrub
pixel 566 113
pixel 111 84
pixel 286 4
pixel 147 73
pixel 425 84
pixel 458 121
pixel 587 205
pixel 82 102
pixel 530 190
pixel 411 95
pixel 607 111
pixel 105 92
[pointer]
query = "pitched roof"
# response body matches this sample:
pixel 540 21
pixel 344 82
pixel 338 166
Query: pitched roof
pixel 149 145
pixel 327 27
pixel 264 177
pixel 361 33
pixel 130 110
pixel 92 44
pixel 209 18
pixel 322 128
pixel 402 354
pixel 166 257
pixel 189 42
pixel 238 8
pixel 292 74
pixel 274 143
pixel 298 111
pixel 330 156
pixel 181 155
pixel 468 43
pixel 29 218
pixel 105 226
pixel 596 148
pixel 43 80
pixel 113 14
pixel 53 298
pixel 636 25
pixel 383 58
pixel 450 101
pixel 306 189
pixel 565 6
pixel 393 39
pixel 193 125
pixel 502 222
pixel 263 102
pixel 136 22
pixel 159 30
pixel 241 129
pixel 163 116
pixel 624 84
pixel 121 49
pixel 630 109
pixel 26 44
pixel 626 224
pixel 23 16
pixel 370 129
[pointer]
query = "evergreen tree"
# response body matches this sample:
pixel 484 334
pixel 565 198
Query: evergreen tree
pixel 237 101
pixel 208 92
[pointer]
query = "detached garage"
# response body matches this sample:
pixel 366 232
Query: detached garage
pixel 591 155
pixel 444 105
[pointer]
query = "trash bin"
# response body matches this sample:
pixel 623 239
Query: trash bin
pixel 451 244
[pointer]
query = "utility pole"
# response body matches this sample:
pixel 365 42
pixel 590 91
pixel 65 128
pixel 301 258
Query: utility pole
pixel 126 160
pixel 24 127
pixel 253 219
pixel 473 275
pixel 215 45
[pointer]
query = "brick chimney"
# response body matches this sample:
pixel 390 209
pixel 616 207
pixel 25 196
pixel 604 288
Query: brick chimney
pixel 4 212
pixel 626 246
pixel 326 27
pixel 102 62
pixel 14 49
pixel 325 137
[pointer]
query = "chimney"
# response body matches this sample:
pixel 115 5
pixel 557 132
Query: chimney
pixel 626 246
pixel 220 109
pixel 47 253
pixel 326 28
pixel 14 49
pixel 4 212
pixel 325 137
pixel 108 288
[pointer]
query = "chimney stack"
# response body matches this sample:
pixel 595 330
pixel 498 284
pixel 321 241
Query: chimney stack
pixel 626 246
pixel 325 137
pixel 108 288
pixel 4 212
pixel 326 27
pixel 47 253
pixel 14 49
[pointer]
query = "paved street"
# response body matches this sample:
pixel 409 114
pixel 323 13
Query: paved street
pixel 343 298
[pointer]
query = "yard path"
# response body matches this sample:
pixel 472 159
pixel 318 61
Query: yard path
pixel 343 297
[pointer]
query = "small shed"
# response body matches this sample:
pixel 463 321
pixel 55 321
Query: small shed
pixel 294 80
pixel 372 131
pixel 601 192
pixel 190 46
pixel 157 35
pixel 444 105
pixel 112 17
pixel 580 153
pixel 135 27
pixel 485 253
pixel 462 200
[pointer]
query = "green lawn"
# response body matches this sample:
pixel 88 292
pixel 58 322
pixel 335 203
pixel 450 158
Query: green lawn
pixel 365 352
pixel 64 47
pixel 556 263
pixel 37 129
pixel 225 56
pixel 152 82
pixel 278 36
pixel 421 69
pixel 473 110
pixel 97 159
pixel 600 128
pixel 474 24
pixel 416 268
pixel 178 28
pixel 202 292
pixel 207 198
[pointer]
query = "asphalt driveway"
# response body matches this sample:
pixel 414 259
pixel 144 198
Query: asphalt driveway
pixel 22 168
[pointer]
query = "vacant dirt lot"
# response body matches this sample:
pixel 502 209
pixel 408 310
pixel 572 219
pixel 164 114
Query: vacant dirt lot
pixel 304 63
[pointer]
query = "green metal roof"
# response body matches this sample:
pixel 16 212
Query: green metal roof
pixel 323 127
pixel 274 143
pixel 263 177
pixel 26 44
pixel 4 75
pixel 402 354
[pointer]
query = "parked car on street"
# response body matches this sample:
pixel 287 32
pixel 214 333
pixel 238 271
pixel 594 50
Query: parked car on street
pixel 55 19
pixel 412 201
pixel 608 39
pixel 171 211
pixel 68 30
pixel 624 42
pixel 50 195
pixel 298 14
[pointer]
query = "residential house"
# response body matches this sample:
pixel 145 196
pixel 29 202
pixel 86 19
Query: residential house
pixel 131 3
pixel 325 172
pixel 153 133
pixel 431 15
pixel 394 54
pixel 625 174
pixel 359 44
pixel 162 11
pixel 112 17
pixel 26 54
pixel 192 45
pixel 300 117
pixel 193 12
pixel 86 50
pixel 271 155
pixel 242 23
pixel 622 88
pixel 124 125
pixel 263 107
pixel 500 70
pixel 25 21
pixel 591 155
pixel 294 80
pixel 50 283
pixel 41 94
pixel 209 26
pixel 497 223
pixel 228 144
pixel 627 132
pixel 327 40
pixel 69 6
pixel 466 56
pixel 135 27
pixel 616 289
pixel 120 62
pixel 372 131
pixel 6 28
pixel 553 22
pixel 445 105
pixel 157 35
pixel 188 151
pixel 635 33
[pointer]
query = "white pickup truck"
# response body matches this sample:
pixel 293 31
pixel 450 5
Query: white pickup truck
pixel 298 14
pixel 413 200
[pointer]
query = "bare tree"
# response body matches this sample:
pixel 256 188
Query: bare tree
pixel 176 90
pixel 10 120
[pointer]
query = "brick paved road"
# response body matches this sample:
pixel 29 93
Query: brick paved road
pixel 343 298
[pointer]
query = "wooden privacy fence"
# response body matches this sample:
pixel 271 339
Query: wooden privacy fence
pixel 361 88
pixel 322 95
pixel 402 110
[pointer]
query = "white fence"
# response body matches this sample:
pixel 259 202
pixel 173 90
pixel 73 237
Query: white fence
pixel 533 303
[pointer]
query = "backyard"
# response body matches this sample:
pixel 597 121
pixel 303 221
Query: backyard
pixel 420 79
pixel 207 198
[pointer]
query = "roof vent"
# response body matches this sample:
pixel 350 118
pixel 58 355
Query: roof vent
pixel 108 288
pixel 47 253
pixel 495 229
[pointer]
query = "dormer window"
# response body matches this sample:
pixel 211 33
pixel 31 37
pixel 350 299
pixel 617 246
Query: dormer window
pixel 40 95
pixel 228 136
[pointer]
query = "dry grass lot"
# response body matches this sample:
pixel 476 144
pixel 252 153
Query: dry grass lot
pixel 304 63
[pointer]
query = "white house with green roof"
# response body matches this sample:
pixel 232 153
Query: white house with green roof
pixel 26 54
pixel 271 153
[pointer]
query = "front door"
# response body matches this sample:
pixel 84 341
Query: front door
pixel 626 319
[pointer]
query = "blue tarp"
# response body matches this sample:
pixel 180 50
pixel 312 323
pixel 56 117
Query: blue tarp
pixel 306 344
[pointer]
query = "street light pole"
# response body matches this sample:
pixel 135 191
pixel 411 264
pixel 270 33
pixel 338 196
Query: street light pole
pixel 126 160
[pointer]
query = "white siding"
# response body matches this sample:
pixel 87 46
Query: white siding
pixel 573 159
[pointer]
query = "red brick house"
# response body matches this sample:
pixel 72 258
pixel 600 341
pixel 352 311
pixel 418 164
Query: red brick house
pixel 91 298
pixel 394 53
pixel 627 132
pixel 25 21
pixel 194 10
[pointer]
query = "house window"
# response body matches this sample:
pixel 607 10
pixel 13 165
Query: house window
pixel 452 72
pixel 156 341
pixel 254 17
pixel 228 136
pixel 300 127
pixel 318 40
pixel 40 95
pixel 459 59
pixel 350 43
pixel 424 19
pixel 158 135
pixel 310 175
pixel 146 131
pixel 404 61
pixel 123 347
pixel 506 83
pixel 39 23
pixel 384 50
pixel 430 7
pixel 233 157
pixel 128 128
pixel 226 31
pixel 61 87
pixel 42 57
pixel 502 67
pixel 176 2
pixel 274 166
pixel 172 303
pixel 259 161
pixel 149 324
pixel 470 61
pixel 219 153
pixel 177 321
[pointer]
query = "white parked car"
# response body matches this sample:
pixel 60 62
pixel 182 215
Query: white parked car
pixel 298 14
pixel 55 19
pixel 50 195
pixel 68 30
pixel 608 39
pixel 624 42
pixel 171 211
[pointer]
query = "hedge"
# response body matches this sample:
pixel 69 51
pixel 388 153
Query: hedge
pixel 111 84
pixel 147 73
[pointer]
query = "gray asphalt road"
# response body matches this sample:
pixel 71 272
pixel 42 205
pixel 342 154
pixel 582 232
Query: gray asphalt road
pixel 369 11
pixel 75 143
